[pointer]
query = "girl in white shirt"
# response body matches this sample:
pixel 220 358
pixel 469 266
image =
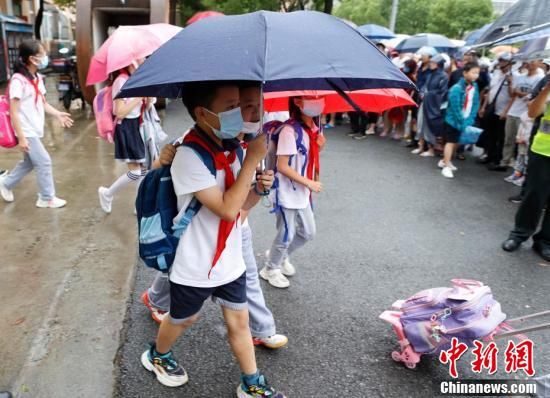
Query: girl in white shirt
pixel 27 109
pixel 129 145
pixel 297 177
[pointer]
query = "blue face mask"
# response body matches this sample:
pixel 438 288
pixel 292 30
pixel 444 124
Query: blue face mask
pixel 44 61
pixel 231 123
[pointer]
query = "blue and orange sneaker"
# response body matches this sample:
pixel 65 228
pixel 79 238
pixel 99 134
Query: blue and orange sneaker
pixel 169 372
pixel 261 389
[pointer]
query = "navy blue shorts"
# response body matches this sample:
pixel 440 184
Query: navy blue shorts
pixel 186 301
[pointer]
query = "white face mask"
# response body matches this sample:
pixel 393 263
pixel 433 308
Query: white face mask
pixel 251 128
pixel 313 107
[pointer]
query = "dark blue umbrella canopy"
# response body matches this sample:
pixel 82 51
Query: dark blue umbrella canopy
pixel 413 43
pixel 303 50
pixel 376 32
pixel 474 36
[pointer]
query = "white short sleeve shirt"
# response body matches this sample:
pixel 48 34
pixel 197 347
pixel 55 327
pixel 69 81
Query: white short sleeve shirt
pixel 292 195
pixel 197 245
pixel 31 109
pixel 117 86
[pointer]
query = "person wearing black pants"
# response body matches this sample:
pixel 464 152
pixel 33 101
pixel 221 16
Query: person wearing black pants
pixel 537 189
pixel 493 112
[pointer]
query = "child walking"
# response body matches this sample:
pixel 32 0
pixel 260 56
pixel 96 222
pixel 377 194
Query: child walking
pixel 262 322
pixel 296 178
pixel 461 113
pixel 129 145
pixel 209 258
pixel 27 109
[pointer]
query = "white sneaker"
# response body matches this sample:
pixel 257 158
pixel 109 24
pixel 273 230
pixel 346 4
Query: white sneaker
pixel 441 164
pixel 427 154
pixel 371 131
pixel 287 268
pixel 519 181
pixel 54 203
pixel 275 278
pixel 447 172
pixel 105 200
pixel 273 342
pixel 416 151
pixel 6 193
pixel 511 177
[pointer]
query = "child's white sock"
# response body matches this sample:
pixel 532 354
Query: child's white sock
pixel 123 180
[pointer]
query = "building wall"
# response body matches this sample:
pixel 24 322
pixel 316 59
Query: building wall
pixel 501 6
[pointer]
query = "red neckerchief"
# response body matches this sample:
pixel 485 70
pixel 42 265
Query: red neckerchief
pixel 221 162
pixel 35 83
pixel 469 88
pixel 313 156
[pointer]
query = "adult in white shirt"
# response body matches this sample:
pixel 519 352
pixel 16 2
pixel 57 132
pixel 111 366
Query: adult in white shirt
pixel 493 111
pixel 522 85
pixel 27 110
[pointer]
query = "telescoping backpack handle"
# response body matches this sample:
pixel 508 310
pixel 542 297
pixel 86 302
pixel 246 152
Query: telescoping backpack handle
pixel 467 283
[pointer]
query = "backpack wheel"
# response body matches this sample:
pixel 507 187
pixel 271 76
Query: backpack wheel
pixel 396 356
pixel 410 365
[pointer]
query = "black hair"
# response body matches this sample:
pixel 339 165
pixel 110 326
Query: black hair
pixel 471 65
pixel 28 48
pixel 296 113
pixel 294 110
pixel 244 84
pixel 202 93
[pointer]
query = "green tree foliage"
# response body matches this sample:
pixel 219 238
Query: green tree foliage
pixel 451 18
pixel 412 16
pixel 363 11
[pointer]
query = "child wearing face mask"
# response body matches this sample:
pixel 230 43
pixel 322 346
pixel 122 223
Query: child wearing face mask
pixel 262 323
pixel 129 145
pixel 296 178
pixel 28 106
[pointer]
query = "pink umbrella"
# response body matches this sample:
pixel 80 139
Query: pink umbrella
pixel 125 45
pixel 203 14
pixel 371 100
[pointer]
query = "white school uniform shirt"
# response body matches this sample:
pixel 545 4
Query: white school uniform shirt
pixel 526 84
pixel 31 113
pixel 117 86
pixel 197 245
pixel 292 195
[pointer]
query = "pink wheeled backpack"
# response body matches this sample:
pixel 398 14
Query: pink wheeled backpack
pixel 426 322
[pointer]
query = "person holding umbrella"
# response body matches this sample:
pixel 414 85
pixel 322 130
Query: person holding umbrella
pixel 297 175
pixel 209 259
pixel 262 323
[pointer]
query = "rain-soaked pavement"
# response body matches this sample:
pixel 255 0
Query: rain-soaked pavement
pixel 389 225
pixel 65 273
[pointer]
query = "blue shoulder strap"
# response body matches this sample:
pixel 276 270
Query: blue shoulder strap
pixel 194 205
pixel 296 125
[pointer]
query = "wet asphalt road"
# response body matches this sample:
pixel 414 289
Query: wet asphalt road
pixel 389 225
